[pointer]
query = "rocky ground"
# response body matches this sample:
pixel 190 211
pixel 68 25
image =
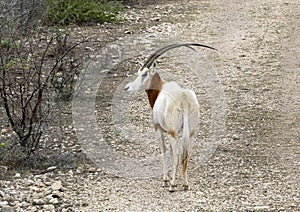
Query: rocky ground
pixel 256 164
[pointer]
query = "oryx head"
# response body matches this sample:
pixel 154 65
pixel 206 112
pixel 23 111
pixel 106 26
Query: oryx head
pixel 148 69
pixel 143 79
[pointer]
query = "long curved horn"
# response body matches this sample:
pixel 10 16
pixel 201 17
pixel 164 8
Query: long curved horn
pixel 162 50
pixel 158 53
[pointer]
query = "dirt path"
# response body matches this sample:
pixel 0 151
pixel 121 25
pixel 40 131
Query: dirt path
pixel 288 132
pixel 256 165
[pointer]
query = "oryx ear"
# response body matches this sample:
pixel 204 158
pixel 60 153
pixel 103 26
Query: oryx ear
pixel 153 70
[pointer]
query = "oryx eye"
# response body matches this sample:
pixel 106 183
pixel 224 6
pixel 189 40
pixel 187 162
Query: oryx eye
pixel 145 74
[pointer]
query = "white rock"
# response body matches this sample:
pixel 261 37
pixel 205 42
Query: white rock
pixel 51 168
pixel 89 48
pixel 56 186
pixel 79 170
pixel 33 208
pixel 49 207
pixel 30 182
pixel 17 175
pixel 34 188
pixel 38 202
pixel 92 169
pixel 4 203
pixel 48 183
pixel 4 131
pixel 70 173
pixel 235 137
pixel 53 201
pixel 261 207
pixel 2 194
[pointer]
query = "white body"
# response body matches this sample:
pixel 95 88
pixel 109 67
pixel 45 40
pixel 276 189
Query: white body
pixel 169 106
pixel 176 112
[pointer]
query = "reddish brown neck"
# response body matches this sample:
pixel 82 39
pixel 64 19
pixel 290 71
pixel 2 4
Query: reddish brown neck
pixel 154 90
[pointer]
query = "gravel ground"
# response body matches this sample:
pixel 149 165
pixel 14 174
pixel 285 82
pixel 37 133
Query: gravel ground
pixel 256 164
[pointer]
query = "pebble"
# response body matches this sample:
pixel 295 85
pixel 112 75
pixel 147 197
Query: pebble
pixel 33 208
pixel 38 202
pixel 4 203
pixel 89 48
pixel 56 186
pixel 46 182
pixel 53 201
pixel 70 173
pixel 235 137
pixel 51 168
pixel 128 32
pixel 29 182
pixel 4 131
pixel 2 194
pixel 34 188
pixel 92 170
pixel 79 170
pixel 17 175
pixel 261 207
pixel 49 207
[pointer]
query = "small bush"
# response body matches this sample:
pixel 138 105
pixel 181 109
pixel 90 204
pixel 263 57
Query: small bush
pixel 28 72
pixel 66 12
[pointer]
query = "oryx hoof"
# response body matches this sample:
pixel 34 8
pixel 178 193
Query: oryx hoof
pixel 165 183
pixel 172 188
pixel 186 187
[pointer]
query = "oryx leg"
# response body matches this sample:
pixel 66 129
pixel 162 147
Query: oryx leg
pixel 162 146
pixel 174 147
pixel 171 155
pixel 184 164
